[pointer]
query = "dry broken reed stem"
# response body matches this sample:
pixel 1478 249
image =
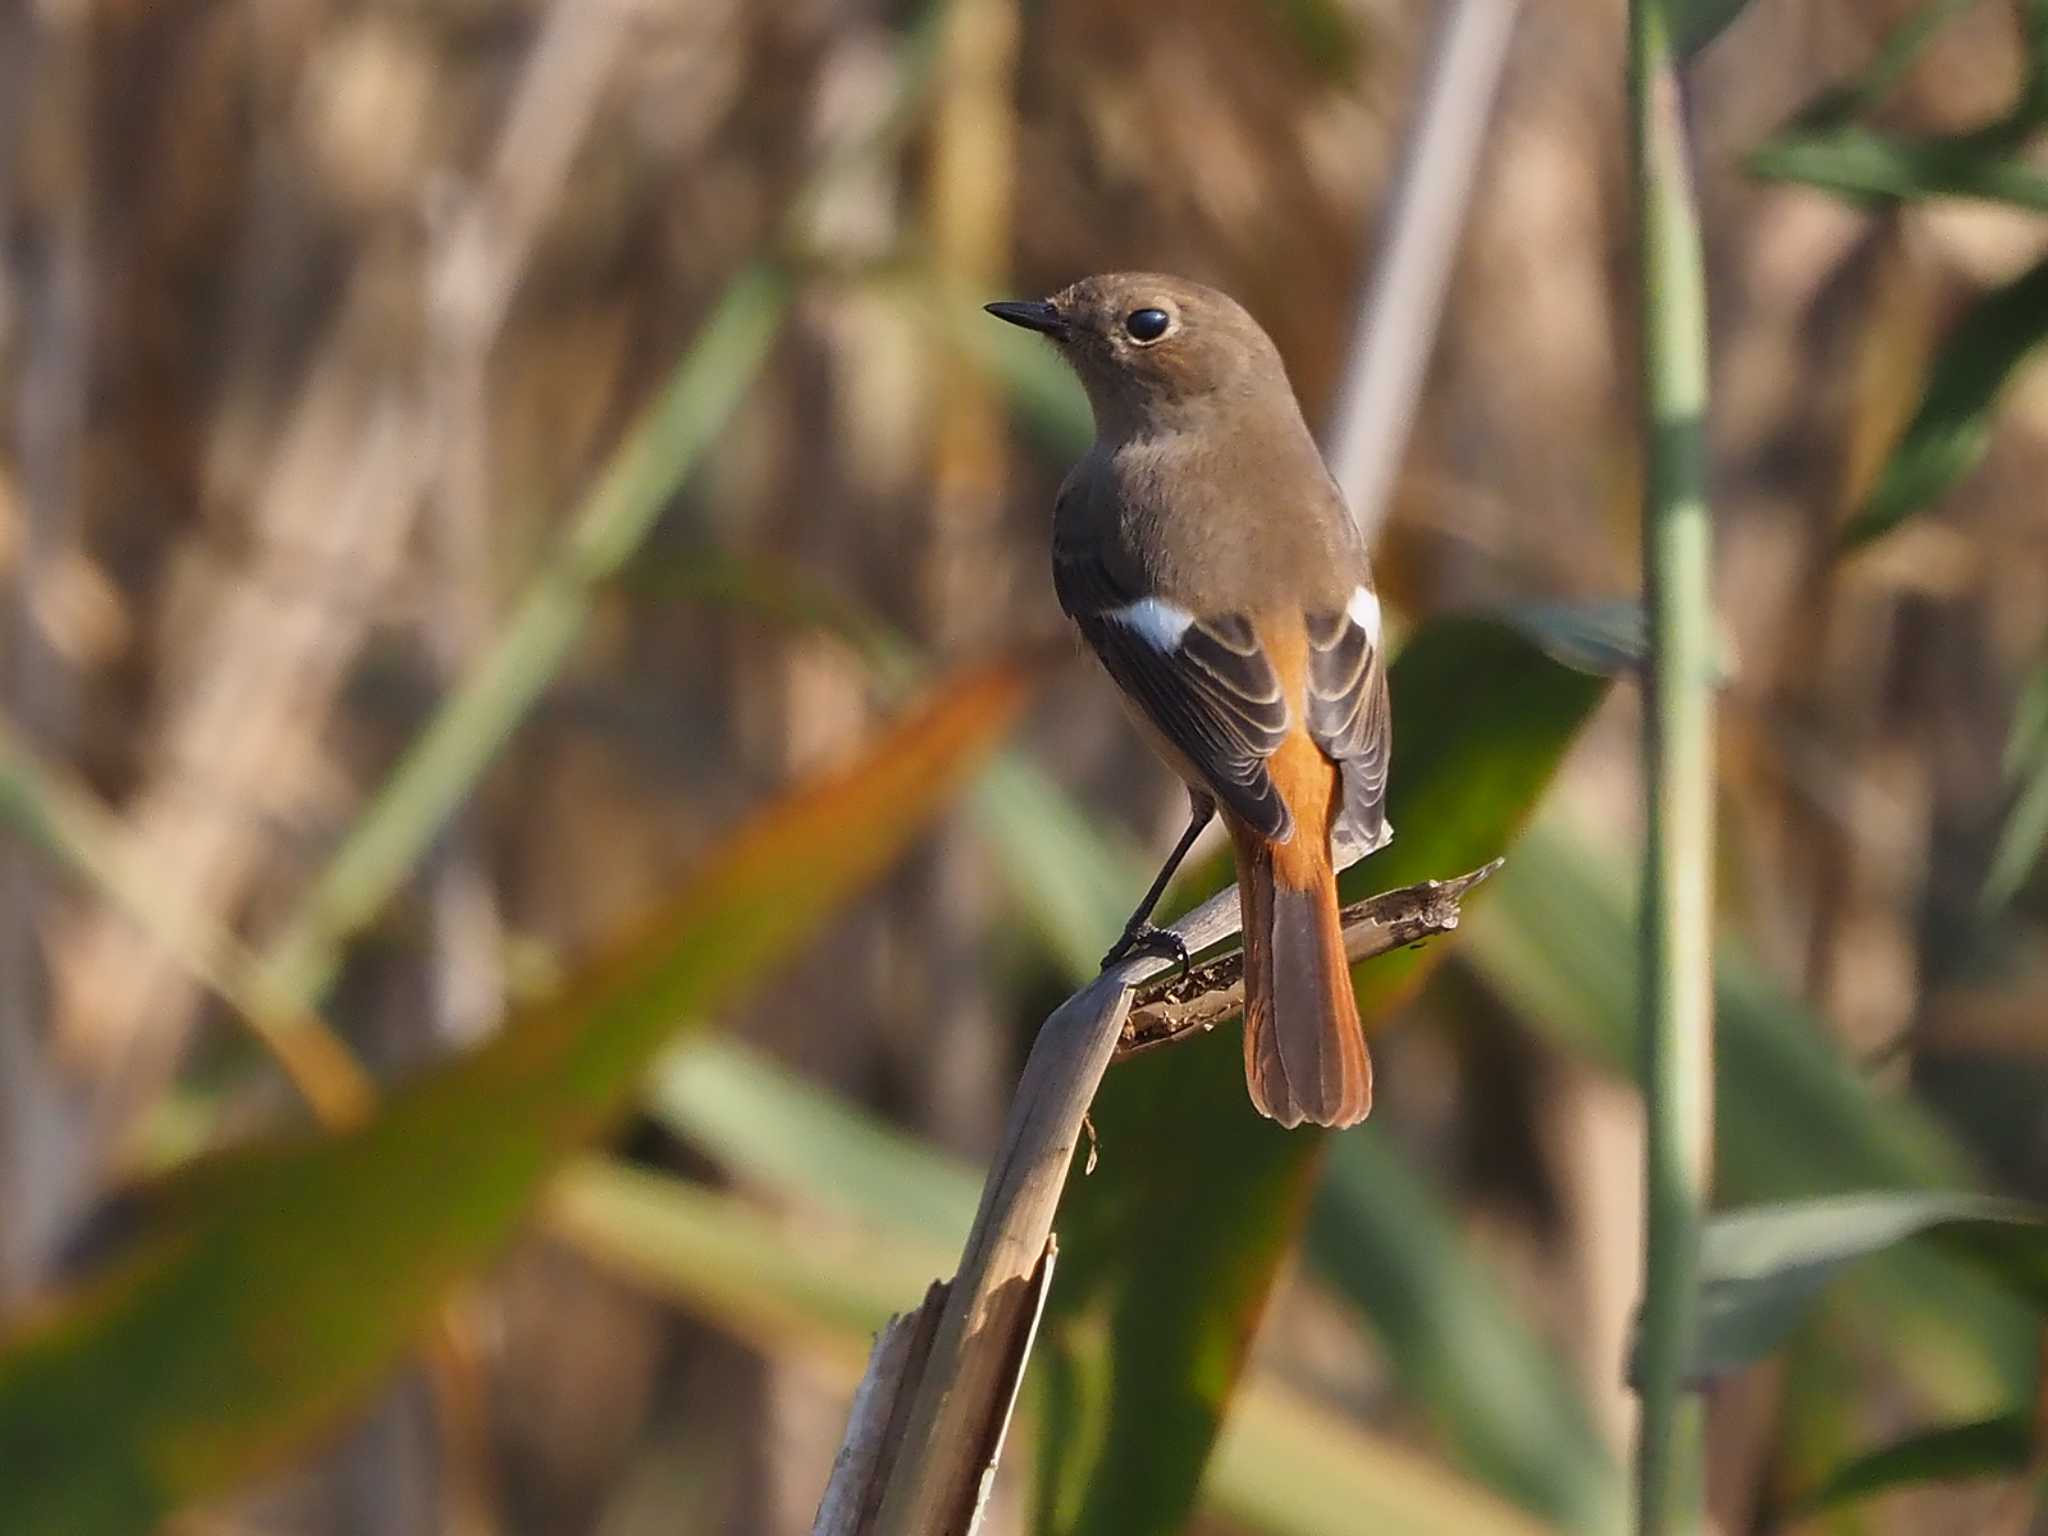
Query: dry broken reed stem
pixel 863 1471
pixel 874 1423
pixel 936 1477
pixel 975 1358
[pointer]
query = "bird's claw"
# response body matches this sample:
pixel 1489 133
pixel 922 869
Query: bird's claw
pixel 1144 939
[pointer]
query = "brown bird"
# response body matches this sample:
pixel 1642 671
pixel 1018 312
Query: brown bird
pixel 1209 560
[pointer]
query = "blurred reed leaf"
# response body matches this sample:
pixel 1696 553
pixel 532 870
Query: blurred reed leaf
pixel 285 1282
pixel 1072 875
pixel 1856 161
pixel 1169 1249
pixel 1950 431
pixel 442 766
pixel 1762 1268
pixel 1497 1395
pixel 2000 1446
pixel 2025 832
pixel 816 1288
pixel 771 1128
pixel 1286 1466
pixel 1792 1116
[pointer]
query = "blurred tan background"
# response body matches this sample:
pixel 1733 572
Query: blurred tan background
pixel 318 318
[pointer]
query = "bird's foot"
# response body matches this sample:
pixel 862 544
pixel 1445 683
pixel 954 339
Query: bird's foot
pixel 1144 939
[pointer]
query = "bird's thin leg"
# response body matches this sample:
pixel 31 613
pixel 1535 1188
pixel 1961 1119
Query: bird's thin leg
pixel 1140 937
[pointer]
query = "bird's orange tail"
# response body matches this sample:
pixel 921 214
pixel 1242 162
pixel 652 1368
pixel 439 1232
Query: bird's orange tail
pixel 1304 1049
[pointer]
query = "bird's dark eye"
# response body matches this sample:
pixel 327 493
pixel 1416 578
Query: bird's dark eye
pixel 1147 324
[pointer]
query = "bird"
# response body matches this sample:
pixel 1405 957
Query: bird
pixel 1207 557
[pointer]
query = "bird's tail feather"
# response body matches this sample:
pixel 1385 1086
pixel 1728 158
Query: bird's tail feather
pixel 1304 1049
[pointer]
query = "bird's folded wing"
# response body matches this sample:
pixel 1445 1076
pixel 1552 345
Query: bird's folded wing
pixel 1348 713
pixel 1203 680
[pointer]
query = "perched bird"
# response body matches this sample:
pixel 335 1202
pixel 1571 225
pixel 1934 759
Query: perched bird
pixel 1209 560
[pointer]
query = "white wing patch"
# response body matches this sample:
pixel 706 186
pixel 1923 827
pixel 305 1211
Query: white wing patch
pixel 1364 609
pixel 1160 624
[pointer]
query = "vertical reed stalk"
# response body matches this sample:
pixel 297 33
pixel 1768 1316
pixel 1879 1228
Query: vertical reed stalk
pixel 1678 743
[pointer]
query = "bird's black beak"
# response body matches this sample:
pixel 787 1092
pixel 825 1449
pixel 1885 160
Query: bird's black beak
pixel 1032 314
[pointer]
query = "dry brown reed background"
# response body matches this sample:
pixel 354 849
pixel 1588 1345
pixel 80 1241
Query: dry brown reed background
pixel 321 323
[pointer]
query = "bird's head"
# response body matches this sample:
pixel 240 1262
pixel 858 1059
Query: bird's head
pixel 1150 348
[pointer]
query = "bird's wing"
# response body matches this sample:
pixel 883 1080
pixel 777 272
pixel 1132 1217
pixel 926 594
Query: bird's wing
pixel 1348 713
pixel 1204 681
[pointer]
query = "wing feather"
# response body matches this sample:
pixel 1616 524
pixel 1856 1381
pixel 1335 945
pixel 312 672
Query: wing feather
pixel 1214 693
pixel 1349 716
